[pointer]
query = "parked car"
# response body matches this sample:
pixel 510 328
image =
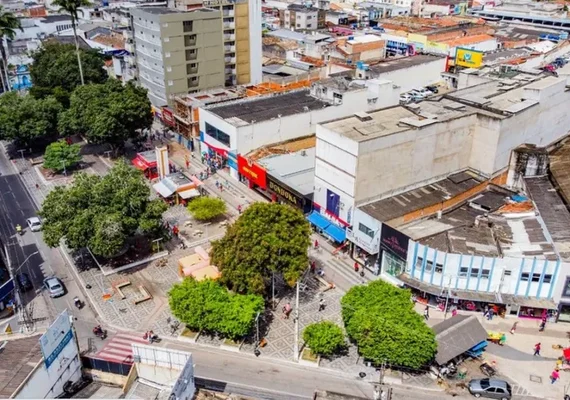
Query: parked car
pixel 426 92
pixel 490 388
pixel 433 89
pixel 24 282
pixel 416 96
pixel 35 224
pixel 54 286
pixel 405 98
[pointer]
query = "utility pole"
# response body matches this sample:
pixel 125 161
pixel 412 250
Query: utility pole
pixel 447 289
pixel 296 344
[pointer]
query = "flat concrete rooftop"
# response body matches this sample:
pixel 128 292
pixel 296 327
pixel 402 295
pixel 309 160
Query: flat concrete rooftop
pixel 295 169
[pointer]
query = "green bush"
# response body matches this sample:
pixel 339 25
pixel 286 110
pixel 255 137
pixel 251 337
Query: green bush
pixel 324 338
pixel 206 305
pixel 381 320
pixel 207 208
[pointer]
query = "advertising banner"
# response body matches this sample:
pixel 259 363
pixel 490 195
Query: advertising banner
pixel 284 192
pixel 395 242
pixel 58 335
pixel 468 58
pixel 252 171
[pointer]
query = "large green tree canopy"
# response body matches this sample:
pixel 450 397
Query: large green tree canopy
pixel 54 70
pixel 381 320
pixel 60 156
pixel 206 305
pixel 27 120
pixel 101 212
pixel 107 113
pixel 266 238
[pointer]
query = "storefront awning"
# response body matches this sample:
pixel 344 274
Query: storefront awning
pixel 163 190
pixel 189 193
pixel 338 234
pixel 318 220
pixel 531 302
pixel 139 164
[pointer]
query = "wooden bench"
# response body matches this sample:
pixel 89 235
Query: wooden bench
pixel 146 295
pixel 122 285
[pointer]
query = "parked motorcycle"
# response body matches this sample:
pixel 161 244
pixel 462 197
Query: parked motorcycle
pixel 77 303
pixel 99 332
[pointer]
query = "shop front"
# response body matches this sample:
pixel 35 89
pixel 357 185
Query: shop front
pixel 252 174
pixel 394 247
pixel 216 157
pixel 168 117
pixel 283 193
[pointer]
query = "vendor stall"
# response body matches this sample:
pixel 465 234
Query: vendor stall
pixel 178 188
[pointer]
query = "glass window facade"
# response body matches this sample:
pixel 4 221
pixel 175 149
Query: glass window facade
pixel 217 134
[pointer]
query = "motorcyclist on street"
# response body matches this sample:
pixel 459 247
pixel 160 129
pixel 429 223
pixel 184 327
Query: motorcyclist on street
pixel 19 229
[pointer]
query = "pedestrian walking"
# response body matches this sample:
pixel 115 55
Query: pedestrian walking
pixel 490 314
pixel 426 313
pixel 322 304
pixel 486 312
pixel 217 185
pixel 313 266
pixel 239 208
pixel 537 349
pixel 514 327
pixel 542 326
pixel 287 310
pixel 355 266
pixel 554 376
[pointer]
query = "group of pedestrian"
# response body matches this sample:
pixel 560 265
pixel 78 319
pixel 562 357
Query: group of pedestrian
pixel 150 336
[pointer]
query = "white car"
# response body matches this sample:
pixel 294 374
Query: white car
pixel 416 96
pixel 425 92
pixel 35 224
pixel 405 98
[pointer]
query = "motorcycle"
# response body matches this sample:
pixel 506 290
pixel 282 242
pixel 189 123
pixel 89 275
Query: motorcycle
pixel 19 230
pixel 99 332
pixel 77 303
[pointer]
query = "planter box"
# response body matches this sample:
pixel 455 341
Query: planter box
pixel 189 336
pixel 308 358
pixel 231 345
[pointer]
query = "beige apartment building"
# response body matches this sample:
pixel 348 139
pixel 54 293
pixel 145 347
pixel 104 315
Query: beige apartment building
pixel 240 29
pixel 177 52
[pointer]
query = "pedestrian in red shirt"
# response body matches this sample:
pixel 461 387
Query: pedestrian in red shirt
pixel 537 349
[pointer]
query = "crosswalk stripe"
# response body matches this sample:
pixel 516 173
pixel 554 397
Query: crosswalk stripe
pixel 117 351
pixel 130 337
pixel 113 357
pixel 344 271
pixel 127 341
pixel 126 347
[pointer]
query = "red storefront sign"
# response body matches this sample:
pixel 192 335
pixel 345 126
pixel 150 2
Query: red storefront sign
pixel 168 117
pixel 252 171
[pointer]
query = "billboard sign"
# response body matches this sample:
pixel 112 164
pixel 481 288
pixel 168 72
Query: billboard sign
pixel 58 335
pixel 394 241
pixel 468 58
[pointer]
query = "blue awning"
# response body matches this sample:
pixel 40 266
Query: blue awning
pixel 338 234
pixel 318 220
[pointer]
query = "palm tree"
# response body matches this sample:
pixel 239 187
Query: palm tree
pixel 8 26
pixel 72 7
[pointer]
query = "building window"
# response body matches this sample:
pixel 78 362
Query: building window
pixel 419 262
pixel 507 272
pixel 463 272
pixel 485 274
pixel 474 272
pixel 547 278
pixel 366 230
pixel 187 26
pixel 439 268
pixel 309 17
pixel 566 289
pixel 524 277
pixel 429 266
pixel 217 134
pixel 298 25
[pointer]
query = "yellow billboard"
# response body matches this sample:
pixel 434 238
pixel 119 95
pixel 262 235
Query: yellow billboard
pixel 468 58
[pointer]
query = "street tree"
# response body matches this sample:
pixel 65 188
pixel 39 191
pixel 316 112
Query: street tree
pixel 267 238
pixel 207 305
pixel 101 212
pixel 207 208
pixel 324 338
pixel 55 72
pixel 9 24
pixel 381 320
pixel 26 120
pixel 107 113
pixel 61 156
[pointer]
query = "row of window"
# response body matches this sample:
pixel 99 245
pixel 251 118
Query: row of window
pixel 217 134
pixel 485 273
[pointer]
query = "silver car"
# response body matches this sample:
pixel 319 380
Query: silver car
pixel 35 224
pixel 54 287
pixel 490 388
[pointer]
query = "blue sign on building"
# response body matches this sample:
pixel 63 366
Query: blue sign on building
pixel 57 351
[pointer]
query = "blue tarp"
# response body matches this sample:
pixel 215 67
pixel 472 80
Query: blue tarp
pixel 518 198
pixel 338 234
pixel 318 220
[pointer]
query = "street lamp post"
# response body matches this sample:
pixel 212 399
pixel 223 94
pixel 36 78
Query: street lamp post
pixel 18 294
pixel 447 289
pixel 64 171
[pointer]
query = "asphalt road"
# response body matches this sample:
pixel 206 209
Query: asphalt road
pixel 29 254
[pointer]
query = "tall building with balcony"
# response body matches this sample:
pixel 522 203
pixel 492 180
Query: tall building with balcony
pixel 177 52
pixel 241 34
